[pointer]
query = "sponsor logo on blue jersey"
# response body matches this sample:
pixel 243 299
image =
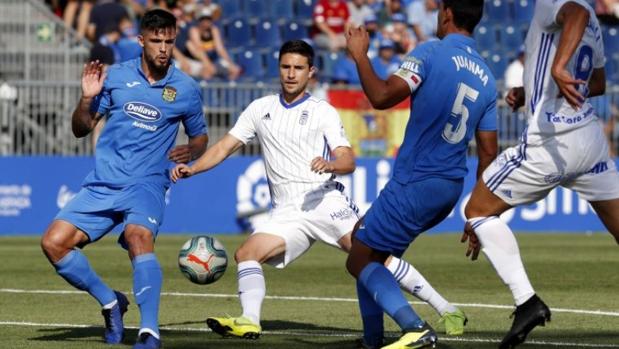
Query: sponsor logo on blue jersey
pixel 142 111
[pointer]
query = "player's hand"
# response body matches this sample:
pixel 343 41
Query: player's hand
pixel 569 87
pixel 181 154
pixel 357 41
pixel 181 171
pixel 515 98
pixel 474 245
pixel 320 165
pixel 92 79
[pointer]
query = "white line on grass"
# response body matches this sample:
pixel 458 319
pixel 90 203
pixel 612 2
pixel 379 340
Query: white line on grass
pixel 337 334
pixel 320 299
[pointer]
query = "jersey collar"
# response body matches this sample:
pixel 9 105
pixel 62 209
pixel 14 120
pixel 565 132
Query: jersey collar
pixel 161 82
pixel 460 39
pixel 293 104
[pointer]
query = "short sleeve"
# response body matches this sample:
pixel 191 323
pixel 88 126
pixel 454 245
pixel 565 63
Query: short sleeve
pixel 194 120
pixel 415 66
pixel 245 127
pixel 489 119
pixel 550 10
pixel 332 127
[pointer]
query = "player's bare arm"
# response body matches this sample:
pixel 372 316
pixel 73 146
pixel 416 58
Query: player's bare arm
pixel 83 120
pixel 597 82
pixel 344 162
pixel 515 98
pixel 487 149
pixel 383 94
pixel 574 19
pixel 212 157
pixel 184 153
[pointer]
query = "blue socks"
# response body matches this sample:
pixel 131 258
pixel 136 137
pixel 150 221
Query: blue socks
pixel 74 268
pixel 147 280
pixel 384 289
pixel 372 316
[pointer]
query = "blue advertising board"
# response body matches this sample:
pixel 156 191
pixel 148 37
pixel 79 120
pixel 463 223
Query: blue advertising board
pixel 33 189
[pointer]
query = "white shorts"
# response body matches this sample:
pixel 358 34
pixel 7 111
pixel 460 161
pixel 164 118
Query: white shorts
pixel 577 160
pixel 325 219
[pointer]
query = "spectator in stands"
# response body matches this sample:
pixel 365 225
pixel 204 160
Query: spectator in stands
pixel 387 62
pixel 514 72
pixel 399 32
pixel 371 25
pixel 128 46
pixel 81 9
pixel 103 14
pixel 345 71
pixel 206 47
pixel 359 10
pixel 390 8
pixel 331 19
pixel 422 16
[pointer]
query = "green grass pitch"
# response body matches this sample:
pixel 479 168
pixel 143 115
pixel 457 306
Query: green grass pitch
pixel 311 303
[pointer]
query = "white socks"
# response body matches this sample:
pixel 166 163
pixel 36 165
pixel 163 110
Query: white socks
pixel 251 289
pixel 413 282
pixel 501 248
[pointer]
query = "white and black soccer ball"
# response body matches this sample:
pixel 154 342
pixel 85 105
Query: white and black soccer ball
pixel 203 259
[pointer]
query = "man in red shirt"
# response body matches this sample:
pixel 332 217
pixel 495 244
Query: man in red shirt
pixel 331 19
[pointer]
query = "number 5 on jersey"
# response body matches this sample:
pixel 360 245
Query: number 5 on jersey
pixel 455 129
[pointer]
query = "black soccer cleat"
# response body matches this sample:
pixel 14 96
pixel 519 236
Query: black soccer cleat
pixel 527 316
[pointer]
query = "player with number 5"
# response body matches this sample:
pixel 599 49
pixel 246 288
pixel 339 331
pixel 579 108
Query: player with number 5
pixel 453 98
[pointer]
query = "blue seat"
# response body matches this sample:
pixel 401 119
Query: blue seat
pixel 511 38
pixel 523 11
pixel 251 63
pixel 281 9
pixel 497 64
pixel 611 40
pixel 256 8
pixel 230 8
pixel 238 32
pixel 294 30
pixel 499 11
pixel 612 70
pixel 485 37
pixel 272 60
pixel 267 34
pixel 326 61
pixel 305 10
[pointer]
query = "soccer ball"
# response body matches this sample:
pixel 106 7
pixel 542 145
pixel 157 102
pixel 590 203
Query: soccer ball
pixel 203 259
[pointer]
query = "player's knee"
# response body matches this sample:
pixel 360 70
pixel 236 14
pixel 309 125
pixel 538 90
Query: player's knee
pixel 471 210
pixel 138 239
pixel 244 254
pixel 351 266
pixel 54 246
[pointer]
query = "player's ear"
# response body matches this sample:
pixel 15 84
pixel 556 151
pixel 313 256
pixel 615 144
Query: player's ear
pixel 141 40
pixel 312 71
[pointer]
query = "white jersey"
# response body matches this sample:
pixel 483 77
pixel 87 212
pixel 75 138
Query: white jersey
pixel 291 136
pixel 547 113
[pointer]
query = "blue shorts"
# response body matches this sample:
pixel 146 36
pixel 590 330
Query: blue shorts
pixel 403 211
pixel 96 210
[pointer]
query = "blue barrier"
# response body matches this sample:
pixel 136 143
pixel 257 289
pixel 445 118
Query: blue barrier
pixel 32 189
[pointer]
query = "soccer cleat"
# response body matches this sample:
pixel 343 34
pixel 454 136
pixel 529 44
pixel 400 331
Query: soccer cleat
pixel 424 337
pixel 241 327
pixel 531 313
pixel 114 328
pixel 454 322
pixel 147 341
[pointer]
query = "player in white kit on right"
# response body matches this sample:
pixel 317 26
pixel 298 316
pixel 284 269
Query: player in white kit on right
pixel 298 133
pixel 564 145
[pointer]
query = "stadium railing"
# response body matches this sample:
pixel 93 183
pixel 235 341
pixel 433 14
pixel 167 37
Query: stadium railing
pixel 35 116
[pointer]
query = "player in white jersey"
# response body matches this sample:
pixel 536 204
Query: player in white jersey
pixel 298 133
pixel 562 146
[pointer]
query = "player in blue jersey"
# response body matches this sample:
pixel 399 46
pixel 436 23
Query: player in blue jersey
pixel 453 98
pixel 143 101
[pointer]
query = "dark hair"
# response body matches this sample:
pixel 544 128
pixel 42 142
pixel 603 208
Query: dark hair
pixel 298 46
pixel 466 13
pixel 157 19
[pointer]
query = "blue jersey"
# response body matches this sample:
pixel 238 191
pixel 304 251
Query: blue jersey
pixel 142 124
pixel 453 94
